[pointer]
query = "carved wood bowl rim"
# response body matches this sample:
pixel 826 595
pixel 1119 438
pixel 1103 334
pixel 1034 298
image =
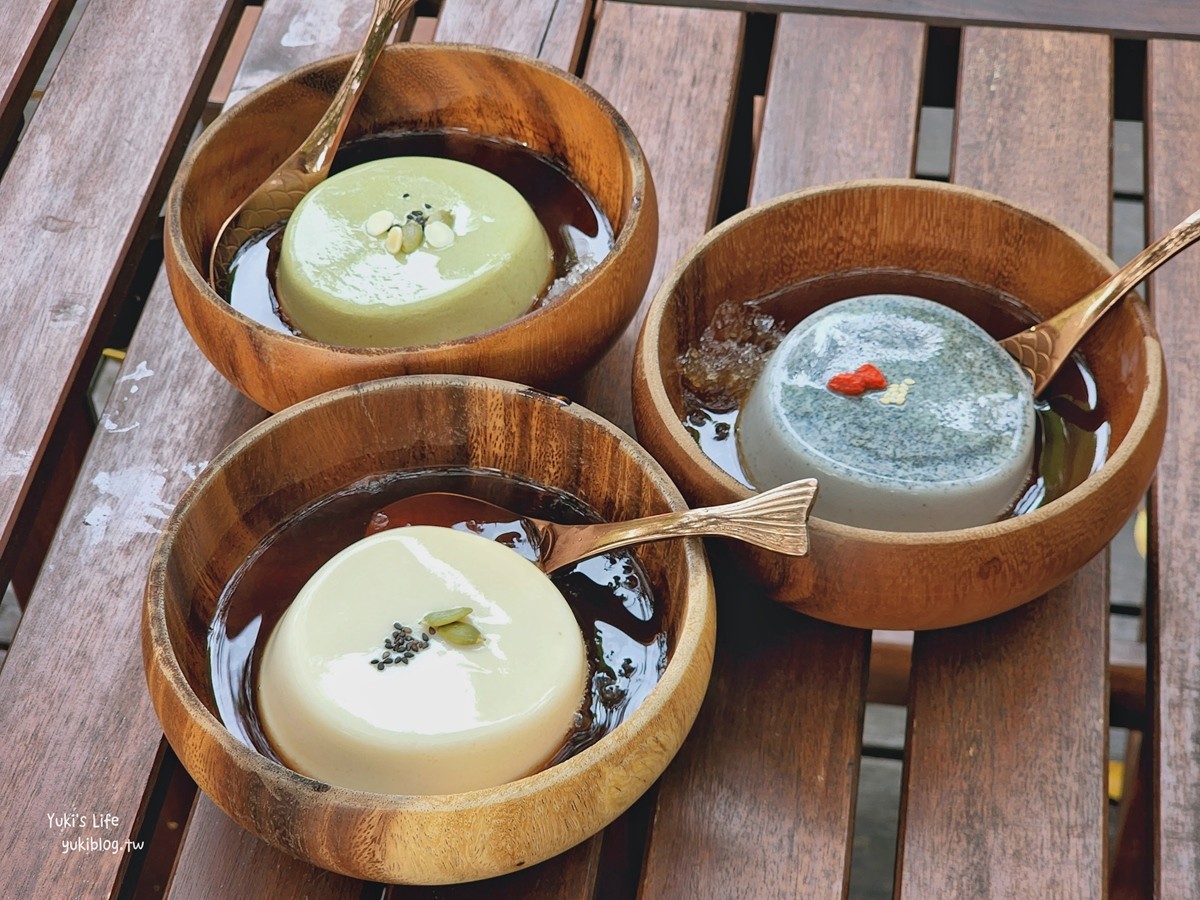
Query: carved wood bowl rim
pixel 637 751
pixel 621 277
pixel 703 481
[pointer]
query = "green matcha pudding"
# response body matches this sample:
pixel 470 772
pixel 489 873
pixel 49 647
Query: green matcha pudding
pixel 410 250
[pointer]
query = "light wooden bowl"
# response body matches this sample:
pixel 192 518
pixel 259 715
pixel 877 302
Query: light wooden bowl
pixel 419 87
pixel 878 579
pixel 331 441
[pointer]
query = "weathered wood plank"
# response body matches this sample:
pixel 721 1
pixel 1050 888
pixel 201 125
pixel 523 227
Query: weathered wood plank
pixel 30 30
pixel 1007 738
pixel 104 739
pixel 1173 166
pixel 222 860
pixel 761 800
pixel 1143 19
pixel 550 30
pixel 682 122
pixel 80 185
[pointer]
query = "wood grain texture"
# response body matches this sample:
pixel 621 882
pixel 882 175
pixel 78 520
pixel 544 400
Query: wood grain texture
pixel 423 87
pixel 761 800
pixel 842 102
pixel 1173 166
pixel 1146 18
pixel 568 875
pixel 222 860
pixel 244 494
pixel 294 33
pixel 682 121
pixel 30 30
pixel 76 192
pixel 549 30
pixel 105 736
pixel 885 228
pixel 1012 712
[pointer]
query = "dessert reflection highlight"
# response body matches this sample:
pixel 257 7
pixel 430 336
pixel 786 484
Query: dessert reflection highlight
pixel 910 416
pixel 419 238
pixel 867 393
pixel 359 689
pixel 381 663
pixel 410 250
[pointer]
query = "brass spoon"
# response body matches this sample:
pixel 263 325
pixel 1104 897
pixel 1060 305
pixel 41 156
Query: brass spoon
pixel 776 519
pixel 1043 348
pixel 276 198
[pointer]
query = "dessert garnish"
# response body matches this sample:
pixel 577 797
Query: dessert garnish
pixel 419 226
pixel 865 378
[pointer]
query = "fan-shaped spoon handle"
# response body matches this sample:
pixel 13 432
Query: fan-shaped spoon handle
pixel 776 520
pixel 1042 349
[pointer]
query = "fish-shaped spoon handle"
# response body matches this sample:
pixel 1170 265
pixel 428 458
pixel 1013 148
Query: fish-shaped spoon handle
pixel 1043 348
pixel 776 520
pixel 276 198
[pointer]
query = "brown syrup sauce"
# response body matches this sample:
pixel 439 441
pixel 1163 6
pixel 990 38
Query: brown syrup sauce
pixel 580 234
pixel 1072 427
pixel 610 595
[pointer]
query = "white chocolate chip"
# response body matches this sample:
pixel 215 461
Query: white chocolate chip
pixel 439 235
pixel 395 240
pixel 379 222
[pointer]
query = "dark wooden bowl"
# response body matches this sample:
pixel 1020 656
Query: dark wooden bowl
pixel 331 441
pixel 419 87
pixel 879 579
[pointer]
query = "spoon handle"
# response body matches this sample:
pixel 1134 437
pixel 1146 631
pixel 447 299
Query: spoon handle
pixel 315 155
pixel 776 520
pixel 276 198
pixel 1042 349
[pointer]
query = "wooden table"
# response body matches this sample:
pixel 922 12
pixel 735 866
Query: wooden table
pixel 1004 788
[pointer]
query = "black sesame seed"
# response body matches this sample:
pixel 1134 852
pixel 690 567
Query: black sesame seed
pixel 424 636
pixel 403 660
pixel 408 655
pixel 427 206
pixel 406 196
pixel 387 653
pixel 406 629
pixel 432 630
pixel 381 667
pixel 397 625
pixel 374 662
pixel 423 644
pixel 388 644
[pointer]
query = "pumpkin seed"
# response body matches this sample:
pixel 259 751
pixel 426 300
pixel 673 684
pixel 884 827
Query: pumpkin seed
pixel 462 633
pixel 446 616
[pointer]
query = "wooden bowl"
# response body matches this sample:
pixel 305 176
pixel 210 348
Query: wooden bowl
pixel 331 441
pixel 879 579
pixel 421 87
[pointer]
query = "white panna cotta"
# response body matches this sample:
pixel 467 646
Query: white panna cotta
pixel 454 717
pixel 947 444
pixel 410 250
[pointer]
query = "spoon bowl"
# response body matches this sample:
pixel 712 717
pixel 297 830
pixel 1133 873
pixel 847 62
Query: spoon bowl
pixel 774 520
pixel 276 198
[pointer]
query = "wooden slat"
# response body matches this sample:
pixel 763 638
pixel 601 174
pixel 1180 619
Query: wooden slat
pixel 215 844
pixel 891 660
pixel 760 802
pixel 1122 18
pixel 29 32
pixel 569 875
pixel 672 74
pixel 221 860
pixel 1007 737
pixel 1173 165
pixel 75 663
pixel 77 190
pixel 551 30
pixel 842 102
